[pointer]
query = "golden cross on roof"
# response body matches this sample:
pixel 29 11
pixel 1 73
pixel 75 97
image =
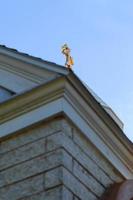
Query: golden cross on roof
pixel 69 60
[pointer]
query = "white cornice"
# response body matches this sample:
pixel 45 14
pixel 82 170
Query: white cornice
pixel 106 119
pixel 20 72
pixel 31 99
pixel 64 95
pixel 25 58
pixel 19 76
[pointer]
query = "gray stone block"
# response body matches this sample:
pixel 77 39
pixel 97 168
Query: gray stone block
pixel 57 193
pixel 53 194
pixel 66 194
pixel 87 179
pixel 22 189
pixel 53 178
pixel 76 187
pixel 67 128
pixel 92 152
pixel 30 135
pixel 61 176
pixel 61 140
pixel 35 166
pixel 21 154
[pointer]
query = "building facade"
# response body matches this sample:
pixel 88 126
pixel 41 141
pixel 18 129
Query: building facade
pixel 58 140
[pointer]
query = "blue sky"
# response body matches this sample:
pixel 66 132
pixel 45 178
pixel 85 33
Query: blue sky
pixel 99 32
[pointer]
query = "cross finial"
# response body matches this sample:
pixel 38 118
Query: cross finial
pixel 69 60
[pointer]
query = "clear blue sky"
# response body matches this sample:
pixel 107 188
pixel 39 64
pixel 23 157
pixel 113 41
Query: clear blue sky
pixel 99 32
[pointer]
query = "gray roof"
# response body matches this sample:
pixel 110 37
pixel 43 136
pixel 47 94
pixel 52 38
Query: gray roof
pixel 106 107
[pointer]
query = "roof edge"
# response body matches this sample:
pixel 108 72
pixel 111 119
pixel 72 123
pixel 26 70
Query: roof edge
pixel 29 59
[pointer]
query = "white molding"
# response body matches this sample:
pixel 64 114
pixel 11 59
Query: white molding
pixel 32 99
pixel 96 140
pixel 18 69
pixel 31 117
pixel 18 76
pixel 20 72
pixel 104 120
pixel 13 82
pixel 53 67
pixel 118 145
pixel 60 96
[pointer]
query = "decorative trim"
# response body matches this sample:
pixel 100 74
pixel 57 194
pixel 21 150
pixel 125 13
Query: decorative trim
pixel 63 95
pixel 25 58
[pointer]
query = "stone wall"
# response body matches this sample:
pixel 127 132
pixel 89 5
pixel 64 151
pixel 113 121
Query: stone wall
pixel 53 161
